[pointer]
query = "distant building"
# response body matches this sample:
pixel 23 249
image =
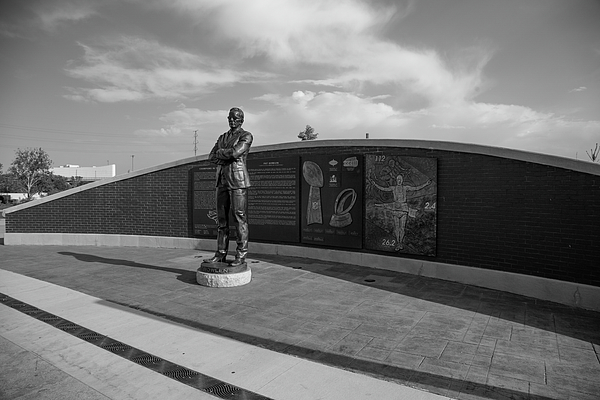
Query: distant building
pixel 7 198
pixel 85 173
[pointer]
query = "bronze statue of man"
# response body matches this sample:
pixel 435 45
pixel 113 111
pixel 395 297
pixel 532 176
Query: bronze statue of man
pixel 229 153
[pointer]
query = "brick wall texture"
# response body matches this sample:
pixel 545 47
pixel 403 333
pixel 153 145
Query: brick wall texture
pixel 492 212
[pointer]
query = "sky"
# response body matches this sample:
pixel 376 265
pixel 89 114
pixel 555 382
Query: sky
pixel 139 83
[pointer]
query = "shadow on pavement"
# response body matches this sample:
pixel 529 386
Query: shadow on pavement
pixel 184 275
pixel 541 314
pixel 569 321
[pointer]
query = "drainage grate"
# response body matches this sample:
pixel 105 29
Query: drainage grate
pixel 174 371
pixel 180 373
pixel 116 347
pixel 69 327
pixel 90 336
pixel 223 390
pixel 31 310
pixel 49 318
pixel 146 359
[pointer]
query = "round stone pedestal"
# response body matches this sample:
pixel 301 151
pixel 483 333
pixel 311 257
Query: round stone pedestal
pixel 223 275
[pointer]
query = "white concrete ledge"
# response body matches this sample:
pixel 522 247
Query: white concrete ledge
pixel 568 293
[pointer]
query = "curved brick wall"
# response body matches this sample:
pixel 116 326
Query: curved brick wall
pixel 498 209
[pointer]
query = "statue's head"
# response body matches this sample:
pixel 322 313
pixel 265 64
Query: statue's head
pixel 235 118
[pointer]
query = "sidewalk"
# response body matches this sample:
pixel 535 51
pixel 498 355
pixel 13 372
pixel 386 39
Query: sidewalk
pixel 391 332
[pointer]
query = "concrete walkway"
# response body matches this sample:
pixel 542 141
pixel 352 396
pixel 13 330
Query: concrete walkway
pixel 300 330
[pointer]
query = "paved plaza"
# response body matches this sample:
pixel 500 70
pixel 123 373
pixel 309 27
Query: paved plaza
pixel 289 332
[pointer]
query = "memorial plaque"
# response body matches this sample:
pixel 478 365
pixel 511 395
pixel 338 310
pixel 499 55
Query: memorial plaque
pixel 400 204
pixel 204 205
pixel 204 202
pixel 331 202
pixel 273 199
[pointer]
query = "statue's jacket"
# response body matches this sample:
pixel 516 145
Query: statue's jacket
pixel 229 153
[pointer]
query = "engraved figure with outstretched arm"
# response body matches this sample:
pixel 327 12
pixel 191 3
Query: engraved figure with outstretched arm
pixel 399 207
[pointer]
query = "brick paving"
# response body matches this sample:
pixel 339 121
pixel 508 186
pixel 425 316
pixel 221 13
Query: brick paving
pixel 456 340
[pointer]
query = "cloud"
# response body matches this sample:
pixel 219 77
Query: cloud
pixel 344 38
pixel 501 125
pixel 579 89
pixel 53 14
pixel 333 53
pixel 330 112
pixel 185 120
pixel 12 31
pixel 299 30
pixel 338 115
pixel 340 41
pixel 133 69
pixel 25 20
pixel 341 115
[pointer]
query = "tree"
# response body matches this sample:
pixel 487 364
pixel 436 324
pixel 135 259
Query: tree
pixel 308 133
pixel 28 169
pixel 53 183
pixel 7 184
pixel 594 153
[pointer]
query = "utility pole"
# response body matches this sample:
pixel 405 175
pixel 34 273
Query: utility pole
pixel 132 163
pixel 195 141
